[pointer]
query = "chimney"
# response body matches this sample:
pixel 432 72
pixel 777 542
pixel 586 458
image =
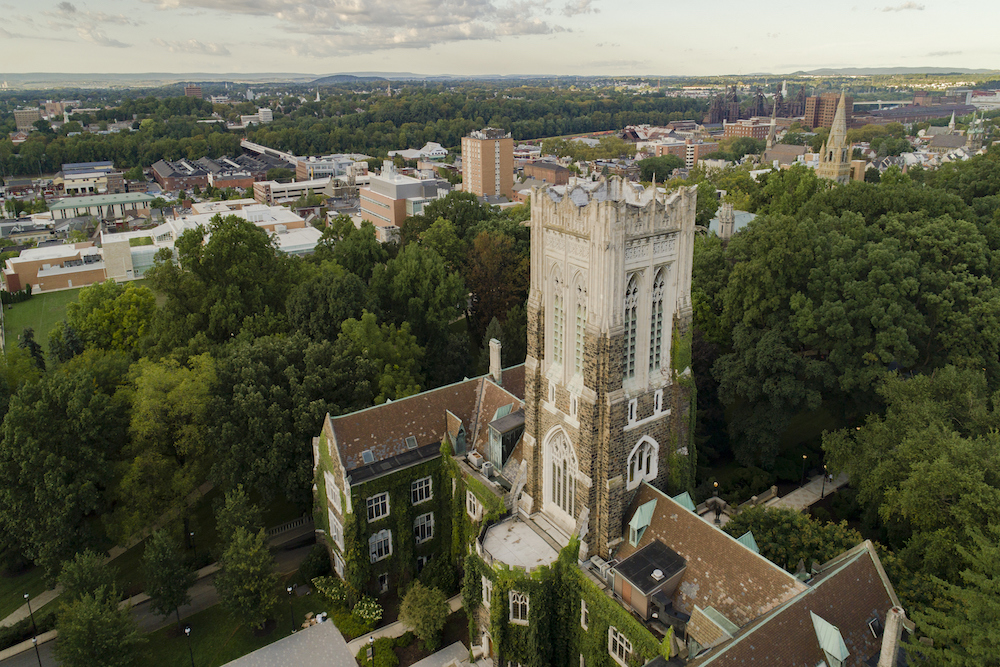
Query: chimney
pixel 891 636
pixel 495 360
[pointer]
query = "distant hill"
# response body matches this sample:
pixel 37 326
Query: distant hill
pixel 874 71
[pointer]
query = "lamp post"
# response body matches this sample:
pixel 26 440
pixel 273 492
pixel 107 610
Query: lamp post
pixel 34 642
pixel 187 632
pixel 715 495
pixel 822 494
pixel 31 613
pixel 291 612
pixel 371 650
pixel 803 471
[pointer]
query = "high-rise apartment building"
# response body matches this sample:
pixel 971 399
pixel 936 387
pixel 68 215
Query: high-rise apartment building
pixel 191 90
pixel 488 163
pixel 820 110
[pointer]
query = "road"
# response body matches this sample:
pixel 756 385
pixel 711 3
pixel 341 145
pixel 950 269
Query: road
pixel 203 596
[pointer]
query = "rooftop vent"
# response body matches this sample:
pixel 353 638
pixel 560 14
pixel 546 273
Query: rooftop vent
pixel 658 575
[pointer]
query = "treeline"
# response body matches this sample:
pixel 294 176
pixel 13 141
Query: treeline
pixel 873 309
pixel 225 364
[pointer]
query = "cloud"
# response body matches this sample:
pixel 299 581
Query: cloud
pixel 193 46
pixel 94 35
pixel 575 7
pixel 906 6
pixel 938 54
pixel 338 27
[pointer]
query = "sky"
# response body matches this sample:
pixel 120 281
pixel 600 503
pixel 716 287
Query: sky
pixel 479 37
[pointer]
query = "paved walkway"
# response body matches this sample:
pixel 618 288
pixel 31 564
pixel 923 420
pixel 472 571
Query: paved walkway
pixel 804 496
pixel 320 645
pixel 394 629
pixel 48 596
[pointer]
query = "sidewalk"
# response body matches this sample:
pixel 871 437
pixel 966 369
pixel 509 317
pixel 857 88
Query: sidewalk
pixel 394 629
pixel 48 596
pixel 805 496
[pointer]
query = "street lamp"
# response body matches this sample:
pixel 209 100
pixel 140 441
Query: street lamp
pixel 803 471
pixel 291 612
pixel 191 535
pixel 371 650
pixel 822 494
pixel 34 642
pixel 187 631
pixel 715 495
pixel 31 613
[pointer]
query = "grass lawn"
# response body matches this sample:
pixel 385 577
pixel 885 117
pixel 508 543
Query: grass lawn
pixel 217 639
pixel 13 588
pixel 41 312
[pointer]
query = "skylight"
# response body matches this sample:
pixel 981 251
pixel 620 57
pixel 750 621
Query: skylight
pixel 411 442
pixel 367 456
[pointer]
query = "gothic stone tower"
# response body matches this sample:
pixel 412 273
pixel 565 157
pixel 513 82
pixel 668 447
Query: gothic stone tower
pixel 610 281
pixel 835 157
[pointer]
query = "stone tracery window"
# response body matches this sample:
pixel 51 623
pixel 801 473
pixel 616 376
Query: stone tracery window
pixel 563 473
pixel 581 323
pixel 558 318
pixel 656 323
pixel 643 462
pixel 631 306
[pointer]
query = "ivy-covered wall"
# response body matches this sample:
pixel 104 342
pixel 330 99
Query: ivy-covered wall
pixel 554 634
pixel 401 565
pixel 683 469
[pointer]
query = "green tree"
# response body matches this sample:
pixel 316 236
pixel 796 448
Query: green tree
pixel 167 454
pixel 85 574
pixel 135 174
pixel 425 610
pixel 359 252
pixel 26 341
pixel 246 581
pixel 965 625
pixel 95 632
pixel 112 316
pixel 497 276
pixel 320 304
pixel 393 352
pixel 62 439
pixel 237 511
pixel 660 167
pixel 167 577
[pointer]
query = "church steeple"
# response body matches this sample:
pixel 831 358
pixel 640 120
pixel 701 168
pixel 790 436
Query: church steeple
pixel 835 160
pixel 951 124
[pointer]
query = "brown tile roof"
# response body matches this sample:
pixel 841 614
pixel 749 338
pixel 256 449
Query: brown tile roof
pixel 851 592
pixel 704 630
pixel 721 573
pixel 383 429
pixel 493 398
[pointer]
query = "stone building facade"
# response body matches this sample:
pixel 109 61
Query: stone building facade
pixel 835 156
pixel 610 282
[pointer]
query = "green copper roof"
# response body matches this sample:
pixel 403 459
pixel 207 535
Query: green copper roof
pixel 684 500
pixel 830 640
pixel 101 200
pixel 642 516
pixel 747 540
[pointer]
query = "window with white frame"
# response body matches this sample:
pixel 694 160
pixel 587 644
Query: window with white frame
pixel 473 506
pixel 420 490
pixel 422 562
pixel 642 462
pixel 332 490
pixel 518 607
pixel 633 410
pixel 423 527
pixel 487 591
pixel 656 323
pixel 380 545
pixel 552 393
pixel 631 325
pixel 619 647
pixel 584 615
pixel 338 564
pixel 383 582
pixel 336 529
pixel 378 506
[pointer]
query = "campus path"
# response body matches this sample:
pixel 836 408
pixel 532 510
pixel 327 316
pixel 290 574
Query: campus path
pixel 48 596
pixel 805 496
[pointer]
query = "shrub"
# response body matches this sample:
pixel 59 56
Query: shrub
pixel 439 573
pixel 368 610
pixel 333 589
pixel 349 625
pixel 384 655
pixel 425 610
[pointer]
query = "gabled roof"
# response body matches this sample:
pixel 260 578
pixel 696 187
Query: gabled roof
pixel 721 573
pixel 849 592
pixel 383 429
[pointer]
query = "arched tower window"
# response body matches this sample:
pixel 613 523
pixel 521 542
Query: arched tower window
pixel 643 462
pixel 631 305
pixel 563 473
pixel 656 323
pixel 581 323
pixel 558 318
